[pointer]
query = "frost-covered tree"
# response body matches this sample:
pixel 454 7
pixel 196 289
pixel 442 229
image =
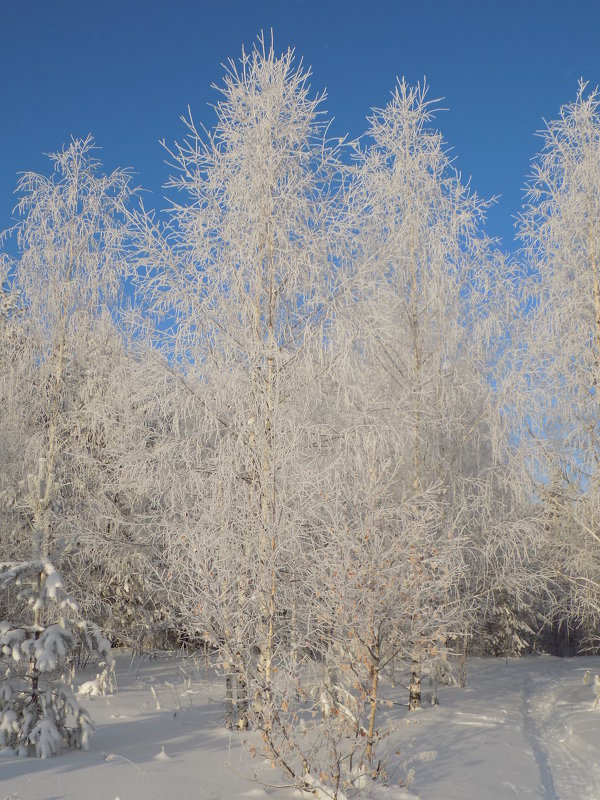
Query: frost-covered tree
pixel 560 357
pixel 112 461
pixel 247 277
pixel 69 272
pixel 39 713
pixel 60 237
pixel 11 351
pixel 74 423
pixel 423 330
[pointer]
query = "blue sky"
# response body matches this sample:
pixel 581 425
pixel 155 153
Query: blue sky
pixel 125 71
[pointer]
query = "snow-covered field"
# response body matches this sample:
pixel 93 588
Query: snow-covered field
pixel 524 729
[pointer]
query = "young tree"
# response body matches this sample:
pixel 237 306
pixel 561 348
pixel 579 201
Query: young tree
pixel 38 710
pixel 70 425
pixel 13 433
pixel 423 330
pixel 72 257
pixel 560 357
pixel 248 278
pixel 112 463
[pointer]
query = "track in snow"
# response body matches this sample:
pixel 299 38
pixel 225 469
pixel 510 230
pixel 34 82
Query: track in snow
pixel 567 764
pixel 531 731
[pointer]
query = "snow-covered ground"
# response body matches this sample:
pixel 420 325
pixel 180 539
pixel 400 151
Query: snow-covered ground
pixel 524 729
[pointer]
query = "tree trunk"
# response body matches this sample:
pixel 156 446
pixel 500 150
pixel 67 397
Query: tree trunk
pixel 414 692
pixel 242 702
pixel 228 701
pixel 462 662
pixel 268 480
pixel 374 675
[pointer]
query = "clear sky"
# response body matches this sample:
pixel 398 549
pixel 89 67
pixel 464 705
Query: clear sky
pixel 125 71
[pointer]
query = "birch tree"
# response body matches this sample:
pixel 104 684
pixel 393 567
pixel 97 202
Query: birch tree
pixel 560 358
pixel 58 491
pixel 11 428
pixel 246 275
pixel 112 452
pixel 67 278
pixel 426 320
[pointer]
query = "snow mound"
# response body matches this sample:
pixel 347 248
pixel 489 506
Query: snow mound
pixel 162 756
pixel 90 689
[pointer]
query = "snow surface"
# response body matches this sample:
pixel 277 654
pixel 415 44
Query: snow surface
pixel 524 728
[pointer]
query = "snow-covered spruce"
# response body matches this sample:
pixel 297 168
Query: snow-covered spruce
pixel 39 712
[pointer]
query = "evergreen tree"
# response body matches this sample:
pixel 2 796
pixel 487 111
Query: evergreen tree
pixel 39 713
